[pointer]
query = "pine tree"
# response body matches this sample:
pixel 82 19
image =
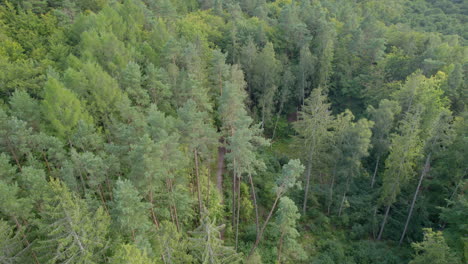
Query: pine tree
pixel 24 107
pixel 129 212
pixel 265 81
pixel 287 180
pixel 286 218
pixel 313 126
pixel 131 83
pixel 130 254
pixel 433 249
pixel 405 149
pixel 62 109
pixel 73 233
pixel 199 135
pixel 208 247
pixel 383 118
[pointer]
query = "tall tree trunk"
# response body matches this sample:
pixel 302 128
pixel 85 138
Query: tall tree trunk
pixel 425 170
pixel 104 203
pixel 375 171
pixel 259 236
pixel 220 170
pixel 28 244
pixel 330 195
pixel 384 221
pixel 46 162
pixel 306 190
pixel 254 197
pixel 344 196
pixel 280 247
pixel 198 182
pixel 373 223
pixel 13 153
pixel 153 215
pixel 233 206
pixel 238 211
pixel 176 217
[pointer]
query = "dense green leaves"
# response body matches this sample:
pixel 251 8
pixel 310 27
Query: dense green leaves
pixel 128 127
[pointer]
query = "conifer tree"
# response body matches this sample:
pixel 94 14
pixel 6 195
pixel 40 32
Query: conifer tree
pixel 129 212
pixel 62 109
pixel 312 127
pixel 208 247
pixel 73 233
pixel 383 118
pixel 433 249
pixel 287 180
pixel 288 247
pixel 405 148
pixel 265 81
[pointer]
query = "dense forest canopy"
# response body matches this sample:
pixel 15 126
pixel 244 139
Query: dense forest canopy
pixel 224 131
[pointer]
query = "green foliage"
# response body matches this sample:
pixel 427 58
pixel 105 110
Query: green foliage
pixel 125 126
pixel 433 249
pixel 208 247
pixel 62 109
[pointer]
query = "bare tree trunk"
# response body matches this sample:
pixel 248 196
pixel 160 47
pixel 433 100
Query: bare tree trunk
pixel 373 223
pixel 254 196
pixel 259 236
pixel 198 182
pixel 153 215
pixel 344 196
pixel 176 217
pixel 220 170
pixel 233 206
pixel 104 203
pixel 280 247
pixel 330 197
pixel 238 211
pixel 375 171
pixel 306 190
pixel 423 174
pixel 384 221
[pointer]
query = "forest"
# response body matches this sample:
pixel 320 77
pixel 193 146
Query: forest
pixel 233 131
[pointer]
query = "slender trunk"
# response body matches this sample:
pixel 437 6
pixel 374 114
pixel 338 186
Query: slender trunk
pixel 82 181
pixel 277 118
pixel 259 236
pixel 46 162
pixel 233 206
pixel 13 153
pixel 109 188
pixel 280 247
pixel 263 116
pixel 254 196
pixel 384 221
pixel 18 225
pixel 342 203
pixel 306 190
pixel 220 169
pixel 238 211
pixel 373 223
pixel 101 194
pixel 330 195
pixel 458 185
pixel 176 217
pixel 209 186
pixel 375 171
pixel 425 170
pixel 153 215
pixel 344 196
pixel 198 182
